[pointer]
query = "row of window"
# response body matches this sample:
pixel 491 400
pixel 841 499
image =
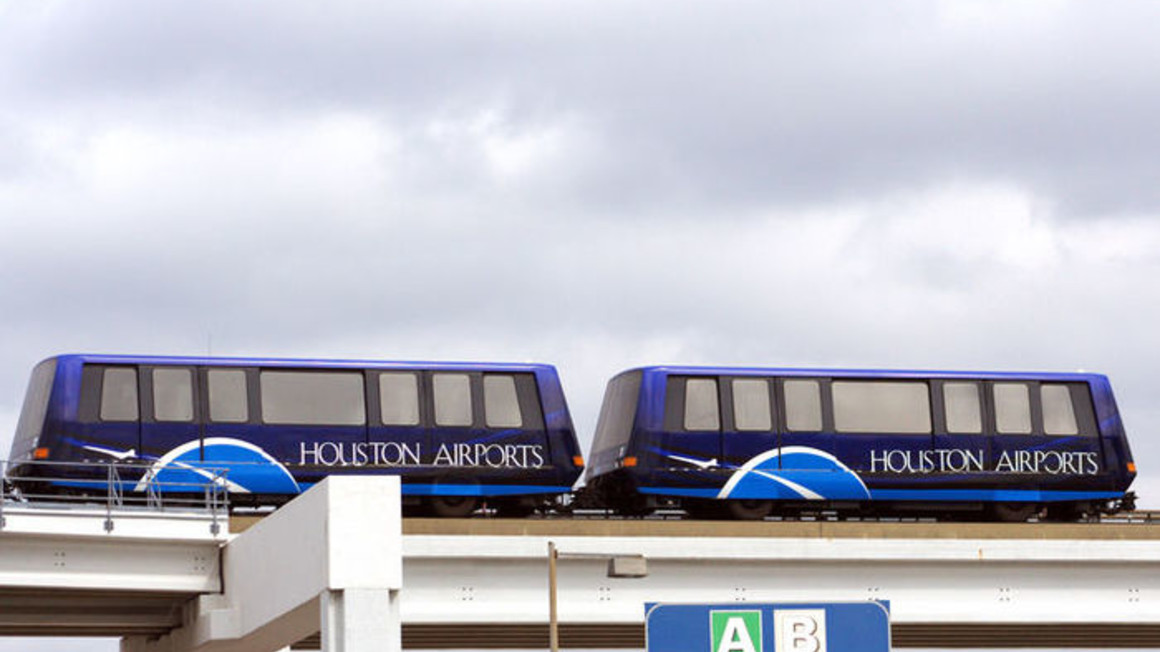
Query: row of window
pixel 330 398
pixel 864 406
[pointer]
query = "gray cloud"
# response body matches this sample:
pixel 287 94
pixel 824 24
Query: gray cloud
pixel 731 107
pixel 910 184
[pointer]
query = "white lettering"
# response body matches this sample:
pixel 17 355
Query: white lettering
pixel 800 630
pixel 736 637
pixel 391 453
pixel 958 460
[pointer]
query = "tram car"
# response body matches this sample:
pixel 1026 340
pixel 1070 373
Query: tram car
pixel 458 434
pixel 746 443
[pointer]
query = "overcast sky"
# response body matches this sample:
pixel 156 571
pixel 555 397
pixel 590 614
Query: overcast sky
pixel 597 185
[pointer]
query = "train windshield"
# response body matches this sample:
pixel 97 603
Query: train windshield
pixel 34 411
pixel 614 426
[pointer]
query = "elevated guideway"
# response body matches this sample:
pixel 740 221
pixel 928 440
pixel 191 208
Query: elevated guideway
pixel 482 583
pixel 338 568
pixel 88 571
pixel 177 581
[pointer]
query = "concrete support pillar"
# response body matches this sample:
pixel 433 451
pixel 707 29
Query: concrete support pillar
pixel 361 620
pixel 330 560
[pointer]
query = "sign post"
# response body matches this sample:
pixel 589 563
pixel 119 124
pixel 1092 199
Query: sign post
pixel 783 627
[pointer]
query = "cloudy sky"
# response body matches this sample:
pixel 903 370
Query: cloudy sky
pixel 947 185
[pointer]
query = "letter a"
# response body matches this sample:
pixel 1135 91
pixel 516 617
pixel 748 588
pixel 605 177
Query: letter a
pixel 735 638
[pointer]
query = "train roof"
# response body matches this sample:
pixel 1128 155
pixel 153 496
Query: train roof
pixel 95 358
pixel 806 372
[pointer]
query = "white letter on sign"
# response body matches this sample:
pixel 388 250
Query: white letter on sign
pixel 736 637
pixel 800 630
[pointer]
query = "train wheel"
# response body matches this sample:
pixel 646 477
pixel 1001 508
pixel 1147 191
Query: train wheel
pixel 453 506
pixel 749 510
pixel 1013 512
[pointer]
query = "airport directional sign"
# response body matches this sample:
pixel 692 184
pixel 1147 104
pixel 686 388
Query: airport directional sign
pixel 781 627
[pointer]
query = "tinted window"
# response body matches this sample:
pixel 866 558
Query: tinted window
pixel 803 405
pixel 173 394
pixel 1012 408
pixel 35 408
pixel 313 398
pixel 228 402
pixel 501 407
pixel 1058 412
pixel 962 408
pixel 901 407
pixel 751 407
pixel 452 399
pixel 701 408
pixel 119 394
pixel 617 412
pixel 399 398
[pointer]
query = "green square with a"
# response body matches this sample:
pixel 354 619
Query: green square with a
pixel 735 631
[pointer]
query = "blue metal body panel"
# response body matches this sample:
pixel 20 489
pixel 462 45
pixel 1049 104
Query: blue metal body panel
pixel 833 466
pixel 266 459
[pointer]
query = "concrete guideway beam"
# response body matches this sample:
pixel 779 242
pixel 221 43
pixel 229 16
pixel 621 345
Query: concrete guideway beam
pixel 86 571
pixel 63 571
pixel 331 559
pixel 502 579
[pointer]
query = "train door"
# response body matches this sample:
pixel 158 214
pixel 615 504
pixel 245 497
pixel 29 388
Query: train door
pixel 110 413
pixel 397 438
pixel 170 418
pixel 313 421
pixel 487 439
pixel 691 453
pixel 231 422
pixel 749 427
pixel 884 429
pixel 1045 434
pixel 806 426
pixel 516 446
pixel 962 455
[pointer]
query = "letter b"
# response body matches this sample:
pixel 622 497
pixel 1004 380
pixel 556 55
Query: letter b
pixel 800 630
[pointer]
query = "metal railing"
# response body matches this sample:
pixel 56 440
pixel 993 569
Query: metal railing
pixel 115 487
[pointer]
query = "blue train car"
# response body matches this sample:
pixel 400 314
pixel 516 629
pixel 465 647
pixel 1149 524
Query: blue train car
pixel 746 443
pixel 458 434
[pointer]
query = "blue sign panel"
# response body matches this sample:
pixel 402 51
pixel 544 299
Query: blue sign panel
pixel 751 627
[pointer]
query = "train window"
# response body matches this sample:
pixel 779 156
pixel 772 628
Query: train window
pixel 31 423
pixel 1012 408
pixel 173 395
pixel 313 398
pixel 227 396
pixel 452 399
pixel 617 412
pixel 962 408
pixel 1058 412
pixel 399 398
pixel 803 405
pixel 501 406
pixel 894 407
pixel 702 411
pixel 751 406
pixel 119 394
